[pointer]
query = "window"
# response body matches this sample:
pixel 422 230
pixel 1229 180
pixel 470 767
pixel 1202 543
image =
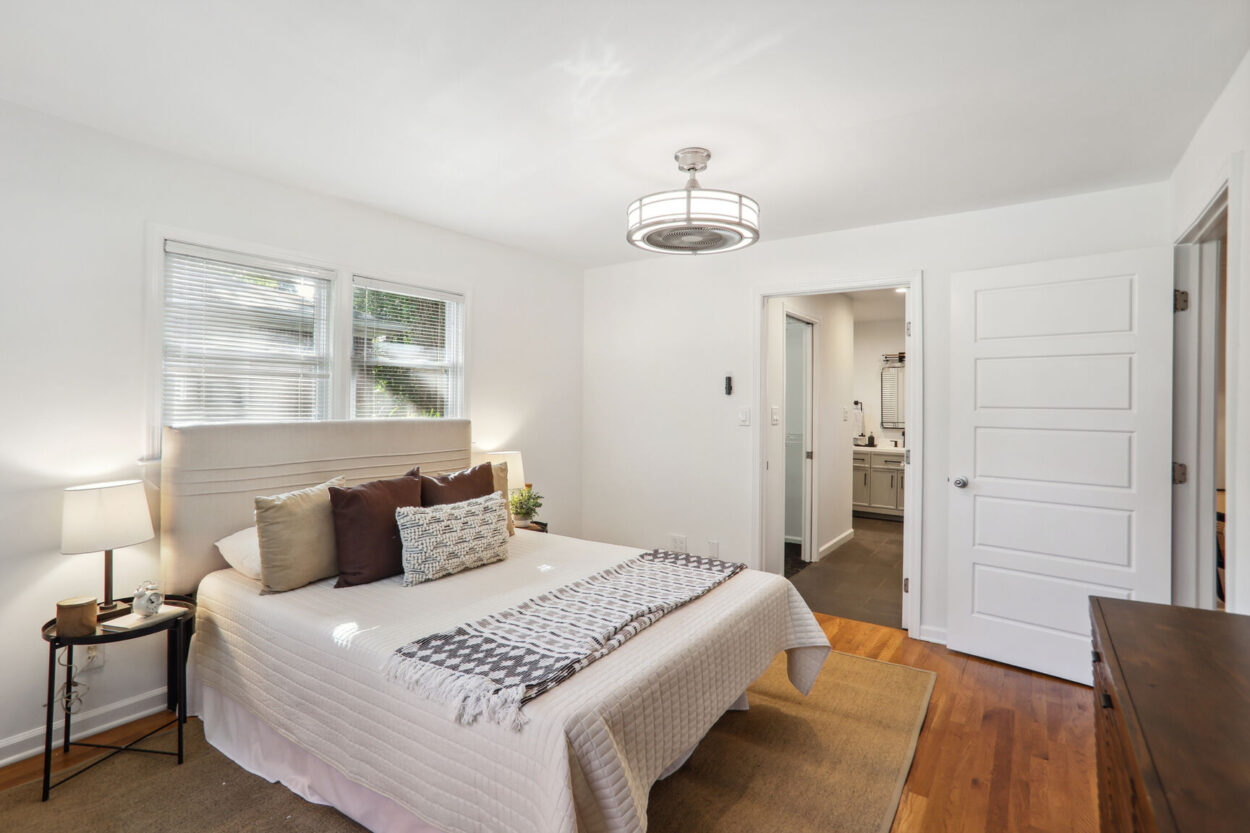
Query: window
pixel 246 339
pixel 406 352
pixel 258 339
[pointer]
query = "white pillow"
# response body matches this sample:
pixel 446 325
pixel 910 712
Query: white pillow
pixel 242 552
pixel 445 539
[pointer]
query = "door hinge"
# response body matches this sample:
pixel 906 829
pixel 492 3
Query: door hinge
pixel 1180 473
pixel 808 454
pixel 906 585
pixel 908 328
pixel 907 457
pixel 1180 300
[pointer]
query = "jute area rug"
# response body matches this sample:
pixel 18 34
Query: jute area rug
pixel 833 762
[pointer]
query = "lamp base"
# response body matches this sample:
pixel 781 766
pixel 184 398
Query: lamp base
pixel 110 606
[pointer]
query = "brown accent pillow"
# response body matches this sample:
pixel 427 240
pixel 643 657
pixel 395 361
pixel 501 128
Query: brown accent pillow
pixel 501 486
pixel 365 531
pixel 456 487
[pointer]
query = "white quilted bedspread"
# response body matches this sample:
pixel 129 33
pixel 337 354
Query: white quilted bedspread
pixel 309 663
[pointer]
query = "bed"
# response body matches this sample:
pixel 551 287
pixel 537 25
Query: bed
pixel 291 686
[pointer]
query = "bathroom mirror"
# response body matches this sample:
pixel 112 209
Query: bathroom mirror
pixel 893 397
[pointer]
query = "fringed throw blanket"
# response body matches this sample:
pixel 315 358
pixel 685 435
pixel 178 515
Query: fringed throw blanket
pixel 492 667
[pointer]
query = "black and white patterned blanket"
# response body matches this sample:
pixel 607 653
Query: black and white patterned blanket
pixel 492 667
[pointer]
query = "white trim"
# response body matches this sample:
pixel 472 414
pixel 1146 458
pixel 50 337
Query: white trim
pixel 930 633
pixel 342 282
pixel 913 538
pixel 29 743
pixel 837 543
pixel 1228 187
pixel 811 483
pixel 793 539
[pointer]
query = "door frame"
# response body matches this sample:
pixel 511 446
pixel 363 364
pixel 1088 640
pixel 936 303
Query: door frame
pixel 913 528
pixel 810 486
pixel 1194 403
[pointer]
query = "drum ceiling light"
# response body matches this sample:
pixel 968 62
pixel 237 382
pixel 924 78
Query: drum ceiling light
pixel 694 220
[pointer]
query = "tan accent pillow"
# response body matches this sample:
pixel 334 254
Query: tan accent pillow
pixel 296 532
pixel 500 470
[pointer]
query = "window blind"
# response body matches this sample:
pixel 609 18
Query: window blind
pixel 246 339
pixel 407 352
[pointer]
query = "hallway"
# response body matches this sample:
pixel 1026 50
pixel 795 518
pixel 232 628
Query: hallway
pixel 862 580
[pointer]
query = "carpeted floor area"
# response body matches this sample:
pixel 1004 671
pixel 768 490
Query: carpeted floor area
pixel 835 760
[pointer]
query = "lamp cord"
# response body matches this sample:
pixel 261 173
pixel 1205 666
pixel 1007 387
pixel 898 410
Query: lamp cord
pixel 70 694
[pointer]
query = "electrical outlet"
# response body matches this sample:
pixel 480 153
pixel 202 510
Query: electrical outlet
pixel 94 657
pixel 678 542
pixel 845 413
pixel 713 549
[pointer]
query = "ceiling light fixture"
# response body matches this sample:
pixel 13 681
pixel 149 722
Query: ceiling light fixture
pixel 694 220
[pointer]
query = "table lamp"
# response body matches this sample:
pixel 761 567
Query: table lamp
pixel 516 468
pixel 105 516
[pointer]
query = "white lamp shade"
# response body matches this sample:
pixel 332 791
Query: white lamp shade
pixel 516 468
pixel 105 516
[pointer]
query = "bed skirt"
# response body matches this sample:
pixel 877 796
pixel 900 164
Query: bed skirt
pixel 252 744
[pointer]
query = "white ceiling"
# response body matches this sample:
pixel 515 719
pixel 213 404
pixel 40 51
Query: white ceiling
pixel 877 305
pixel 534 123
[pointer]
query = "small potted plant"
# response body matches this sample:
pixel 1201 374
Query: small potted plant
pixel 525 504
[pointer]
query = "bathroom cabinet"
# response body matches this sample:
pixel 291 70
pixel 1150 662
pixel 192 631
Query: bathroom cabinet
pixel 878 480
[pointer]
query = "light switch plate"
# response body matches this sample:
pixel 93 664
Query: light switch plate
pixel 744 416
pixel 776 415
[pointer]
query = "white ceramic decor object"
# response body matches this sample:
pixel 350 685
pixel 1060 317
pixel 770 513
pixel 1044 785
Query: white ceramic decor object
pixel 148 599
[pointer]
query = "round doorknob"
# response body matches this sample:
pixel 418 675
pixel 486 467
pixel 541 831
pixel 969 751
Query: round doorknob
pixel 961 482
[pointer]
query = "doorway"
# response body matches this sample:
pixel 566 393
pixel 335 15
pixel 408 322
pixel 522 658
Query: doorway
pixel 1200 514
pixel 809 425
pixel 798 439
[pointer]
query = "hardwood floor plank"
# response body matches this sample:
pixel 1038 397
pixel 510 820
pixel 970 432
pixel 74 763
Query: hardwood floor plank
pixel 31 769
pixel 1002 751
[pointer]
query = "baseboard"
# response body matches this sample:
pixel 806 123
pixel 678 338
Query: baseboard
pixel 29 743
pixel 837 542
pixel 793 539
pixel 929 633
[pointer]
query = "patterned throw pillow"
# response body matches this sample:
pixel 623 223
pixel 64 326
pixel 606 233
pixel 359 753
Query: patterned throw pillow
pixel 445 539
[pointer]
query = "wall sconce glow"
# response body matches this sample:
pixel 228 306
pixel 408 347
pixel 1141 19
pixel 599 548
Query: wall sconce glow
pixel 694 220
pixel 901 289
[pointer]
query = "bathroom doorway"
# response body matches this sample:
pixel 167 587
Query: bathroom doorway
pixel 836 513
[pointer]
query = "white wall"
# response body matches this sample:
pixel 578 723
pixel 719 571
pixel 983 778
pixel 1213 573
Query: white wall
pixel 73 209
pixel 663 450
pixel 1217 154
pixel 873 339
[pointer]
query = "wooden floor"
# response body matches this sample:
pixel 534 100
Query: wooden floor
pixel 1002 750
pixel 31 769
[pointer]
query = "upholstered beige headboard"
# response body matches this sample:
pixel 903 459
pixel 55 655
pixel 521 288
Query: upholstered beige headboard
pixel 211 474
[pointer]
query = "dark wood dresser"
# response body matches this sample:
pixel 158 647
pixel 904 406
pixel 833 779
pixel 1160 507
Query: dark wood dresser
pixel 1172 706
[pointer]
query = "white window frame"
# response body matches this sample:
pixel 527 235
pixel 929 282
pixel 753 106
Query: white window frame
pixel 344 279
pixel 454 328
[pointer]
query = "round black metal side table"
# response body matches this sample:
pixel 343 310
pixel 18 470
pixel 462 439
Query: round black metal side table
pixel 178 629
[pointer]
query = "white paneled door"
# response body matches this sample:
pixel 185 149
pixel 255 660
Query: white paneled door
pixel 1061 438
